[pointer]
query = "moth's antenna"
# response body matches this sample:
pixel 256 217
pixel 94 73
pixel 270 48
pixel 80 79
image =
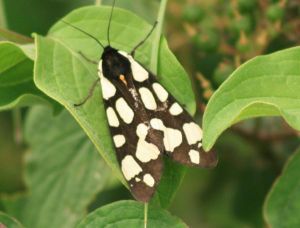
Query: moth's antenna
pixel 143 41
pixel 79 29
pixel 109 22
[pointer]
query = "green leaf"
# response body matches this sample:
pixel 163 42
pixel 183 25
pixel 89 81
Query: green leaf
pixel 264 86
pixel 171 179
pixel 129 214
pixel 8 221
pixel 63 172
pixel 16 77
pixel 282 206
pixel 65 76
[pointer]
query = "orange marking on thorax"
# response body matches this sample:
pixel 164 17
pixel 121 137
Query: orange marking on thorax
pixel 122 78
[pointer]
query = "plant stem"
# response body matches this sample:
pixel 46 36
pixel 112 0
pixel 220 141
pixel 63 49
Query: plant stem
pixel 15 37
pixel 145 215
pixel 157 35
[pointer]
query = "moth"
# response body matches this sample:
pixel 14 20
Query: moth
pixel 145 120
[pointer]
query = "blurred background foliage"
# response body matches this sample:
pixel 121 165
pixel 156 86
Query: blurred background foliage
pixel 210 38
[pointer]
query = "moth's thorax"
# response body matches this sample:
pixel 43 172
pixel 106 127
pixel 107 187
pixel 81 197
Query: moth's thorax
pixel 114 64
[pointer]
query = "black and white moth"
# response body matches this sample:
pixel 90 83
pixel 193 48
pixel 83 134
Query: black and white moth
pixel 145 120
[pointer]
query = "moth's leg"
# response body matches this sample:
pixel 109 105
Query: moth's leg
pixel 87 59
pixel 91 92
pixel 143 41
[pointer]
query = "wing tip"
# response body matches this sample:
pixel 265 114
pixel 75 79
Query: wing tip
pixel 143 194
pixel 208 159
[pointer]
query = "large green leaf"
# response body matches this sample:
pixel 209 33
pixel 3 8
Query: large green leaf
pixel 129 214
pixel 63 172
pixel 65 76
pixel 8 221
pixel 282 206
pixel 265 86
pixel 16 77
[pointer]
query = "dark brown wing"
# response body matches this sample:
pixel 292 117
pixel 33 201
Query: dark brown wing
pixel 175 117
pixel 139 148
pixel 145 120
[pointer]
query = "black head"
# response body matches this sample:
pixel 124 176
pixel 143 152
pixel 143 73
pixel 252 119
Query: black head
pixel 114 64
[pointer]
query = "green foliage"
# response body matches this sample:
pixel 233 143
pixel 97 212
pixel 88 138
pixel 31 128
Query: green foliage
pixel 264 86
pixel 208 41
pixel 8 221
pixel 65 76
pixel 282 206
pixel 275 12
pixel 63 172
pixel 64 175
pixel 246 6
pixel 244 24
pixel 17 88
pixel 222 73
pixel 193 13
pixel 129 214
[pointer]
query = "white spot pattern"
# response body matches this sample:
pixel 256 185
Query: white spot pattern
pixel 108 89
pixel 112 117
pixel 142 130
pixel 160 92
pixel 130 167
pixel 137 179
pixel 172 137
pixel 124 110
pixel 146 152
pixel 192 132
pixel 138 72
pixel 147 98
pixel 119 140
pixel 149 180
pixel 175 109
pixel 194 156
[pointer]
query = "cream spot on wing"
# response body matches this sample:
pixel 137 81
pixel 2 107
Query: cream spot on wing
pixel 137 179
pixel 194 156
pixel 130 167
pixel 100 69
pixel 124 110
pixel 142 131
pixel 146 152
pixel 192 132
pixel 108 89
pixel 175 109
pixel 199 144
pixel 112 117
pixel 125 54
pixel 147 98
pixel 149 180
pixel 157 124
pixel 119 140
pixel 138 72
pixel 160 92
pixel 172 137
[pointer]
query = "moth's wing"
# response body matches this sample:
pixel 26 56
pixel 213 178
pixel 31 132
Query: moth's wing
pixel 182 137
pixel 139 148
